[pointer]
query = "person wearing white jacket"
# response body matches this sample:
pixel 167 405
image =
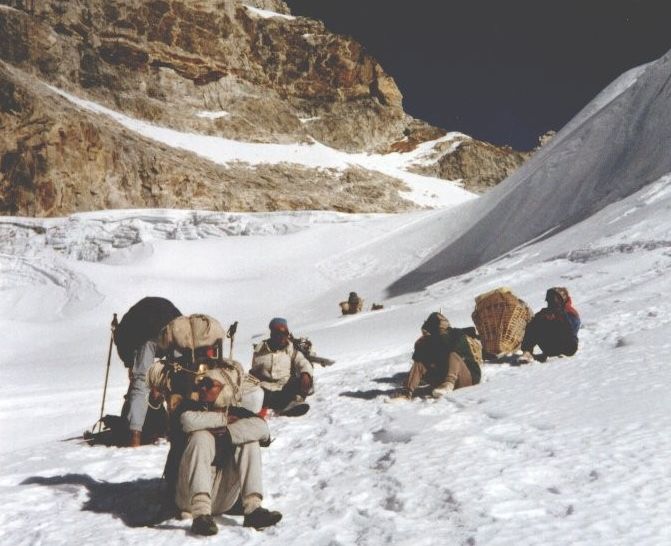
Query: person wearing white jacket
pixel 286 375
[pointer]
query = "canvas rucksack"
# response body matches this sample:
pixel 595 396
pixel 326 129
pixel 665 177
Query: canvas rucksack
pixel 191 332
pixel 189 335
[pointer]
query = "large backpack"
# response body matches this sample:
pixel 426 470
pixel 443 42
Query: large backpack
pixel 191 332
pixel 465 342
pixel 501 319
pixel 198 339
pixel 142 322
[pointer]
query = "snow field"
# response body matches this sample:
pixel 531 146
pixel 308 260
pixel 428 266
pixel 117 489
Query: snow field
pixel 571 451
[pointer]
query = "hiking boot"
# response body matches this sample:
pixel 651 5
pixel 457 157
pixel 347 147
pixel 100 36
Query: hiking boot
pixel 204 525
pixel 442 389
pixel 400 396
pixel 295 408
pixel 526 358
pixel 262 518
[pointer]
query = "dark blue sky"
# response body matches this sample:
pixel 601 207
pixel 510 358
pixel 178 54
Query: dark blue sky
pixel 501 71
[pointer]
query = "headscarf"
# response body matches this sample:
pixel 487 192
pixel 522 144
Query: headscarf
pixel 562 292
pixel 435 324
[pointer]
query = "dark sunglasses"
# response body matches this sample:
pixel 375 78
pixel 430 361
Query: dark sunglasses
pixel 207 383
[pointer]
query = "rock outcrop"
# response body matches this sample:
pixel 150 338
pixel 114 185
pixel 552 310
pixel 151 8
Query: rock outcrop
pixel 244 71
pixel 56 159
pixel 478 164
pixel 277 78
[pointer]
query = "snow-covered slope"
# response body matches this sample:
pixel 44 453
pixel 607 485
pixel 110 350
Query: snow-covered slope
pixel 423 190
pixel 618 144
pixel 572 451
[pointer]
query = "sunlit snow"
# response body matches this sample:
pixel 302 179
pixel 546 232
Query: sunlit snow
pixel 571 451
pixel 267 14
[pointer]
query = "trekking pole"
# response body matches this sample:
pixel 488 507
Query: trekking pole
pixel 113 326
pixel 231 335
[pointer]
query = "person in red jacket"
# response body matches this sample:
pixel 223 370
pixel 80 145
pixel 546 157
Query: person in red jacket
pixel 554 328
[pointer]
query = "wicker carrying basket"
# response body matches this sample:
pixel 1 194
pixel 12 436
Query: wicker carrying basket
pixel 501 318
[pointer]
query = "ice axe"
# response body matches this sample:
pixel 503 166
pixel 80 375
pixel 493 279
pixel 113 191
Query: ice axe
pixel 230 334
pixel 113 326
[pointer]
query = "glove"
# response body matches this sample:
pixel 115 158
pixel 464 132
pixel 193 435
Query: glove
pixel 305 384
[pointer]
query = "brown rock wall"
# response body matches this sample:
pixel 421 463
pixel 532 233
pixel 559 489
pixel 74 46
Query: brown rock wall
pixel 56 160
pixel 478 164
pixel 172 62
pixel 116 50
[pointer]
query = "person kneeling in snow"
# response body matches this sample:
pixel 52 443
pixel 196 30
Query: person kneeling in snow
pixel 221 465
pixel 286 375
pixel 554 328
pixel 436 361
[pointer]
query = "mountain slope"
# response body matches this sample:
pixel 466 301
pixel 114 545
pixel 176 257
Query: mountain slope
pixel 243 72
pixel 573 450
pixel 614 148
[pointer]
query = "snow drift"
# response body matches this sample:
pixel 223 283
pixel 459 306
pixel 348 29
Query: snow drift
pixel 572 451
pixel 617 145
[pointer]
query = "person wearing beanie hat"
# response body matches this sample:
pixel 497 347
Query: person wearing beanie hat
pixel 285 374
pixel 554 328
pixel 436 362
pixel 279 324
pixel 221 463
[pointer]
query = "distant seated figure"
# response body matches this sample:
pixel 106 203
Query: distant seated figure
pixel 353 305
pixel 554 328
pixel 437 361
pixel 286 375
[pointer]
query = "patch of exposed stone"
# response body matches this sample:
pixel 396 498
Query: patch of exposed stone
pixel 167 60
pixel 56 160
pixel 477 164
pixel 214 67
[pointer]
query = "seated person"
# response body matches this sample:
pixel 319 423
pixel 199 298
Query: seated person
pixel 221 463
pixel 286 375
pixel 436 362
pixel 353 305
pixel 554 328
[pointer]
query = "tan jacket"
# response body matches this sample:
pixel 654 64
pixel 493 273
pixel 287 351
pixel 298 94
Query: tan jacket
pixel 275 368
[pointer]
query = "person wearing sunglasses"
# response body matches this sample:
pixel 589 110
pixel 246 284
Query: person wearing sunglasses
pixel 220 468
pixel 286 375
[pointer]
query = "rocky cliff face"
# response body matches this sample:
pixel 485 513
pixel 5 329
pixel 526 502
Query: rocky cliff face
pixel 481 164
pixel 58 160
pixel 244 71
